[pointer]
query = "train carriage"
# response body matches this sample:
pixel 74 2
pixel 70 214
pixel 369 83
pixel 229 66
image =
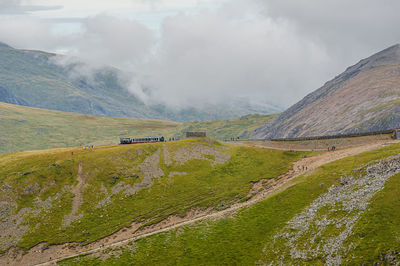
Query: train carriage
pixel 141 140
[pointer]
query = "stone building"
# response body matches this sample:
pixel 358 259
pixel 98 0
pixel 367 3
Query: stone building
pixel 195 134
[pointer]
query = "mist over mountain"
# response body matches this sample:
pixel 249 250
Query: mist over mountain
pixel 366 97
pixel 38 79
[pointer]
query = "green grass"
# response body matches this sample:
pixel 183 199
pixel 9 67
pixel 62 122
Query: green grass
pixel 24 128
pixel 203 186
pixel 378 231
pixel 243 239
pixel 227 129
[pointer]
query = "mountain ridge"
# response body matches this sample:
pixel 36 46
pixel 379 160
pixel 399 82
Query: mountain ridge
pixel 34 79
pixel 344 104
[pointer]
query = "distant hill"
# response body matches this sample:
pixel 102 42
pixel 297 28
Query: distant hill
pixel 366 97
pixel 226 129
pixel 31 78
pixel 25 128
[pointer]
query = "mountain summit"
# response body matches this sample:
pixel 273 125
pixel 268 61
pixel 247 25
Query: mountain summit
pixel 366 97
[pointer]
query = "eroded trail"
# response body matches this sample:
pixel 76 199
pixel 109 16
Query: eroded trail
pixel 78 198
pixel 261 190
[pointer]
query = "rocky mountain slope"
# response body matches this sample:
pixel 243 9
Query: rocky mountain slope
pixel 366 97
pixel 32 78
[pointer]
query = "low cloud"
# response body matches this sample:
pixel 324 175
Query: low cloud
pixel 270 51
pixel 231 52
pixel 28 33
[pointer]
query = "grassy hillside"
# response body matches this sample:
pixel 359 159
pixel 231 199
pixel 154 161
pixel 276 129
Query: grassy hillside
pixel 227 129
pixel 360 224
pixel 23 128
pixel 92 193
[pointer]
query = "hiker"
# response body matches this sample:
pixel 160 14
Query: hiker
pixel 72 153
pixel 334 148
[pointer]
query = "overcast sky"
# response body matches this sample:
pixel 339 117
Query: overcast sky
pixel 185 51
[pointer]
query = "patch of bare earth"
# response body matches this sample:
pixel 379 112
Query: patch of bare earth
pixel 150 169
pixel 201 152
pixel 167 156
pixel 78 197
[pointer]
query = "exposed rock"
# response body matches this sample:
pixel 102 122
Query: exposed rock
pixel 167 156
pixel 201 152
pixel 176 173
pixel 28 173
pixel 310 234
pixel 107 199
pixel 150 169
pixel 11 227
pixel 31 189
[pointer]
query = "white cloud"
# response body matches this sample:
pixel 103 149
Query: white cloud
pixel 265 49
pixel 111 41
pixel 8 4
pixel 232 52
pixel 27 32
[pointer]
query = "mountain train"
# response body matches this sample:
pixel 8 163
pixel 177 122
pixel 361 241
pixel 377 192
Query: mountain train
pixel 141 140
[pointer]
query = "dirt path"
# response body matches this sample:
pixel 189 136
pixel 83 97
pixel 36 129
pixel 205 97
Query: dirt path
pixel 78 198
pixel 261 190
pixel 308 145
